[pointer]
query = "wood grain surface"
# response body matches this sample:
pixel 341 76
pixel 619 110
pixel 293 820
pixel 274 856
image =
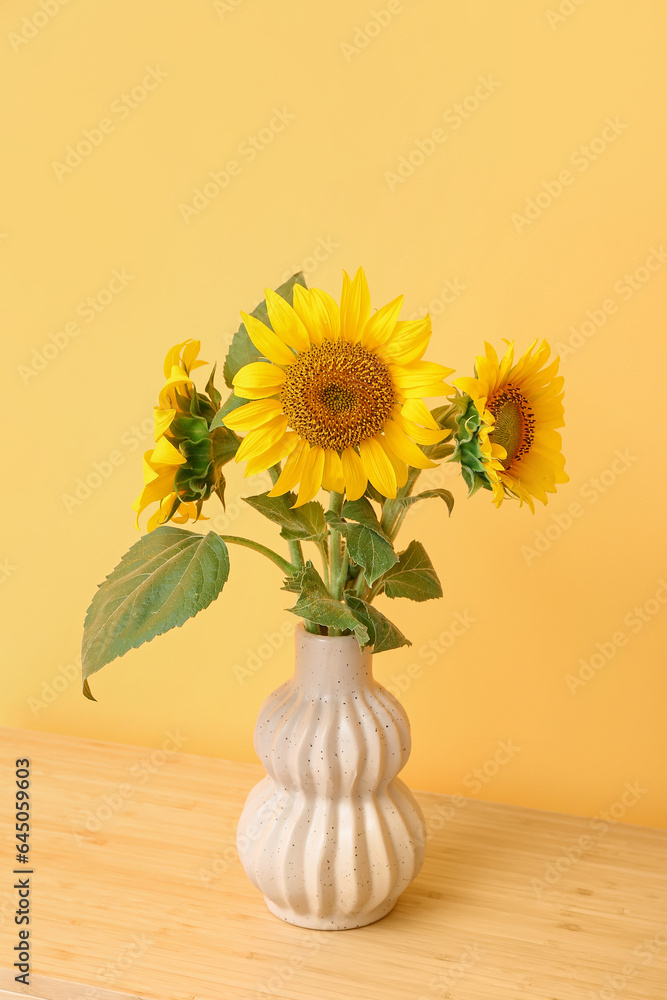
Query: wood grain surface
pixel 137 892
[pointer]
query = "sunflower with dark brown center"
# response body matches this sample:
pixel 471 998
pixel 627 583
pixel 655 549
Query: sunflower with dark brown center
pixel 339 396
pixel 521 407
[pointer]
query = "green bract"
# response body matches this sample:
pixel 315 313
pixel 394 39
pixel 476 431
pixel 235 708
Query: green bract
pixel 467 446
pixel 205 450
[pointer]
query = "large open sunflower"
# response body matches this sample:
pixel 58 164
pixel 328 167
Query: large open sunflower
pixel 339 395
pixel 520 405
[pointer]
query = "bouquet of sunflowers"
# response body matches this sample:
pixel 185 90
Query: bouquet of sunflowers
pixel 325 397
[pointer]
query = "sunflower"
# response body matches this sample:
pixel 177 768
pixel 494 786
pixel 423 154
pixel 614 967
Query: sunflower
pixel 182 470
pixel 339 395
pixel 520 405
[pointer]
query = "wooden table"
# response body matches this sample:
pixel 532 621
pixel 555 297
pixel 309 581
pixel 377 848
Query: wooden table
pixel 137 892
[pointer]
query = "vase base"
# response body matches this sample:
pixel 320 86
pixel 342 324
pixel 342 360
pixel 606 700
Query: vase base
pixel 340 923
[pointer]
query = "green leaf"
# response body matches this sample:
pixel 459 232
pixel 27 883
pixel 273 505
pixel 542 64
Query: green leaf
pixel 242 351
pixel 362 512
pixel 444 416
pixel 370 551
pixel 213 393
pixel 383 634
pixel 443 449
pixel 444 494
pixel 166 577
pixel 369 547
pixel 316 604
pixel 413 577
pixel 374 494
pixel 304 523
pixel 225 444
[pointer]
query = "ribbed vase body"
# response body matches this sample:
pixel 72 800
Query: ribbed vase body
pixel 331 836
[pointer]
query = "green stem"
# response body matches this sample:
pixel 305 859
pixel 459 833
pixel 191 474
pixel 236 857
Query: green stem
pixel 373 592
pixel 287 567
pixel 336 506
pixel 360 585
pixel 296 554
pixel 295 550
pixel 326 571
pixel 393 514
pixel 337 564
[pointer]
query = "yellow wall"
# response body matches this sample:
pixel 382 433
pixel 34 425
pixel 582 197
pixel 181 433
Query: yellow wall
pixel 539 594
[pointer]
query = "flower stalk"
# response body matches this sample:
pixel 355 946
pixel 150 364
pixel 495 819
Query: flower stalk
pixel 287 567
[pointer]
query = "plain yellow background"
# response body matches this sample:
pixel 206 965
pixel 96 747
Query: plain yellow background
pixel 507 706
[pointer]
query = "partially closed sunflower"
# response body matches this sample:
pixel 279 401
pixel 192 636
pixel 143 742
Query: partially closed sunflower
pixel 519 407
pixel 340 394
pixel 184 467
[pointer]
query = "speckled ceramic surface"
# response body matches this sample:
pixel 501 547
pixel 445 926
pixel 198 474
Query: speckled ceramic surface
pixel 331 836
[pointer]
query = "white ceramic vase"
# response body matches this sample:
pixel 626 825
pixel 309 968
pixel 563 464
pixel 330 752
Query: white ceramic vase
pixel 331 836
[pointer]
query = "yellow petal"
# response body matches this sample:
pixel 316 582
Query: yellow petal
pixel 328 312
pixel 266 341
pixel 164 453
pixel 470 386
pixel 258 380
pixel 291 473
pixel 285 322
pixel 332 478
pixel 272 455
pixel 435 389
pixel 420 434
pixel 189 356
pixel 311 476
pixel 400 467
pixel 404 448
pixel 404 351
pixel 161 420
pixel 259 440
pixel 253 415
pixel 408 341
pixel 162 513
pixel 418 373
pixel 355 306
pixel 354 474
pixel 160 487
pixel 377 467
pixel 507 362
pixel 417 411
pixel 177 376
pixel 172 358
pixel 157 489
pixel 381 324
pixel 149 472
pixel 308 313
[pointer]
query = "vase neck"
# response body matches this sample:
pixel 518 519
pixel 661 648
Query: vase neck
pixel 331 665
